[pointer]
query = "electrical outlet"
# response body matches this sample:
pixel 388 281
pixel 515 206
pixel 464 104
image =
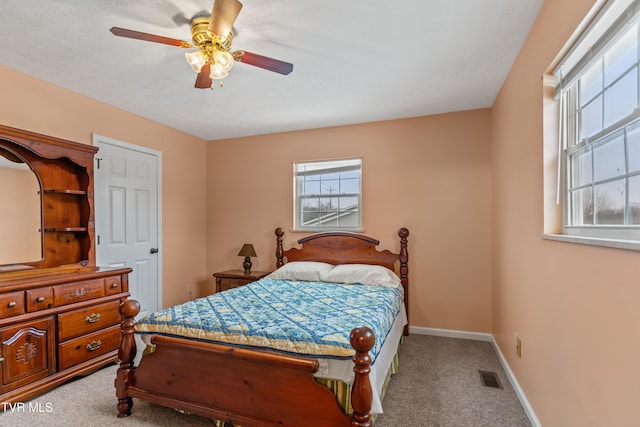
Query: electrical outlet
pixel 517 344
pixel 190 290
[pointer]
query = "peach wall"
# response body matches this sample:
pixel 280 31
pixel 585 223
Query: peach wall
pixel 575 307
pixel 34 105
pixel 429 174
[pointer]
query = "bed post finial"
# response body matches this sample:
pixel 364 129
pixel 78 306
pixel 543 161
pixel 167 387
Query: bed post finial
pixel 362 340
pixel 404 270
pixel 126 353
pixel 279 250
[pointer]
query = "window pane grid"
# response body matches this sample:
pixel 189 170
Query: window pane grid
pixel 612 104
pixel 609 89
pixel 602 188
pixel 601 134
pixel 328 195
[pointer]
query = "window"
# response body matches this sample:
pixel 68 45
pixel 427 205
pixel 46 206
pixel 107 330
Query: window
pixel 599 99
pixel 328 195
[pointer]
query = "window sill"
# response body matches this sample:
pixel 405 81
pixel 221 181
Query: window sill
pixel 633 245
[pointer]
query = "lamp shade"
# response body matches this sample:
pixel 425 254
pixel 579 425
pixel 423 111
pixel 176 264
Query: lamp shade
pixel 247 250
pixel 196 60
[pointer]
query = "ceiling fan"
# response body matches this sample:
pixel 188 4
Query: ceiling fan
pixel 212 36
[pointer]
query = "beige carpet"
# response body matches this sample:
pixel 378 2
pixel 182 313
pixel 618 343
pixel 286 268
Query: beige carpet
pixel 438 386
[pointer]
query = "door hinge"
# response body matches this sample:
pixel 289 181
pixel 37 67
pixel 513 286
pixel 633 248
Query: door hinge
pixel 98 162
pixel 98 239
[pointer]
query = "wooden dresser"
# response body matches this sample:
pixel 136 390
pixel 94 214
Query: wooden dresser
pixel 55 324
pixel 59 312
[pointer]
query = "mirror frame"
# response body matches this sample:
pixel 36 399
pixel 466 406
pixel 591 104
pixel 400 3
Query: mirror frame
pixel 65 172
pixel 17 158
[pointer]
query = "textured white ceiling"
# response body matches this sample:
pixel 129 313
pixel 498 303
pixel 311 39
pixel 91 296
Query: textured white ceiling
pixel 354 61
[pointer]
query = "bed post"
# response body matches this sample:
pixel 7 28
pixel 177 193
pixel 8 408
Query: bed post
pixel 279 250
pixel 404 271
pixel 126 353
pixel 362 340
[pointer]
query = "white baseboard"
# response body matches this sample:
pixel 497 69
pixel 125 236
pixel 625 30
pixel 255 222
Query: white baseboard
pixel 451 333
pixel 516 386
pixel 480 336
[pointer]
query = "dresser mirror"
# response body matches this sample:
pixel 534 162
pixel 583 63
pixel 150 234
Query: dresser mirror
pixel 59 312
pixel 20 211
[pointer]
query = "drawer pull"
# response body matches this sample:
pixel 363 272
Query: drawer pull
pixel 40 299
pixel 93 318
pixel 11 304
pixel 114 285
pixel 94 345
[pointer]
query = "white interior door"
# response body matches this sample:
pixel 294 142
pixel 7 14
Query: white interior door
pixel 127 206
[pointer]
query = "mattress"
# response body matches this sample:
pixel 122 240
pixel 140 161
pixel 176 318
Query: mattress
pixel 292 317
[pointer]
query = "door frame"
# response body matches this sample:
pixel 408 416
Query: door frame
pixel 98 141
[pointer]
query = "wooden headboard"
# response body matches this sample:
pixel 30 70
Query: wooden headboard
pixel 349 248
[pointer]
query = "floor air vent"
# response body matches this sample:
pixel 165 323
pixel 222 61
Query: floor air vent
pixel 490 379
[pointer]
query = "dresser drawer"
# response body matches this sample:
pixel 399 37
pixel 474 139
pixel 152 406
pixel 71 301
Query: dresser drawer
pixel 84 348
pixel 11 304
pixel 226 284
pixel 78 291
pixel 39 299
pixel 77 322
pixel 113 285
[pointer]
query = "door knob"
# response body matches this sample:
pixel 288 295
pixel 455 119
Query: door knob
pixel 154 250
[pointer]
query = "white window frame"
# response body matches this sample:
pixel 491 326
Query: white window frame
pixel 612 21
pixel 319 168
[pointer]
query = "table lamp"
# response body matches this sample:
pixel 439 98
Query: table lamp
pixel 247 252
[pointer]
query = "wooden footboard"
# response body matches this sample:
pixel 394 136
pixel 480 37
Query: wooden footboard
pixel 246 387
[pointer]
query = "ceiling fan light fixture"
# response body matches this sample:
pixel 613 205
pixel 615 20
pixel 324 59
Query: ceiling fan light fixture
pixel 196 60
pixel 214 58
pixel 218 72
pixel 224 58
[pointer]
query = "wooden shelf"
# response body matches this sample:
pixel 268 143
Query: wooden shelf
pixel 64 229
pixel 74 192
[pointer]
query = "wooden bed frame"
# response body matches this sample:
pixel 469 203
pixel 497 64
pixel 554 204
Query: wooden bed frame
pixel 257 388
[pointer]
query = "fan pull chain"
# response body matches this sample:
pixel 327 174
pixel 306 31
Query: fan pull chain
pixel 213 84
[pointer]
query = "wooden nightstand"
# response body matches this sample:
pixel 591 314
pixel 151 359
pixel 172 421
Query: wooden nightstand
pixel 233 278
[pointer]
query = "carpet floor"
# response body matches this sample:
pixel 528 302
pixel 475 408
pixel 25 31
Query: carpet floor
pixel 438 385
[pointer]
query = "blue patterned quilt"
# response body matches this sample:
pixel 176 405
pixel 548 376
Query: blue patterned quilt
pixel 300 318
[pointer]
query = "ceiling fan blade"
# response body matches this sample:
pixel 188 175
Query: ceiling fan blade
pixel 203 81
pixel 263 62
pixel 123 32
pixel 223 16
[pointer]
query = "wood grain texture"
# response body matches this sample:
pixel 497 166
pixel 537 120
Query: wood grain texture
pixel 42 344
pixel 250 387
pixel 65 172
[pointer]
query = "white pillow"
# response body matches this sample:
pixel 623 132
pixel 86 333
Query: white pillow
pixel 301 270
pixel 362 273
